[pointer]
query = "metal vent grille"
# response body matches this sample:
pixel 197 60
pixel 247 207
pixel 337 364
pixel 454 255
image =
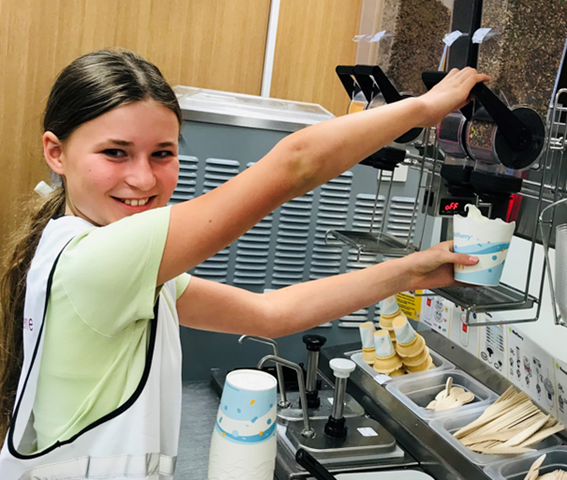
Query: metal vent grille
pixel 217 171
pixel 365 208
pixel 187 181
pixel 332 214
pixel 400 217
pixel 292 240
pixel 252 253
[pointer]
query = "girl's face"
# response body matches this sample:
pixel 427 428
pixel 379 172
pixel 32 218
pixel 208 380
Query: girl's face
pixel 121 163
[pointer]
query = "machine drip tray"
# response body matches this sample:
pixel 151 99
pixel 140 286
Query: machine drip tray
pixel 366 442
pixel 351 408
pixel 373 242
pixel 479 299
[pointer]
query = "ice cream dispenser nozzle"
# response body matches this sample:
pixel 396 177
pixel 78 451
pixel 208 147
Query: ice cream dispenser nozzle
pixel 314 344
pixel 307 430
pixel 283 403
pixel 342 368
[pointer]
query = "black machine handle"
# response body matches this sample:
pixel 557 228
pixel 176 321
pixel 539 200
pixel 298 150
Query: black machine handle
pixel 382 85
pixel 517 135
pixel 307 461
pixel 363 76
pixel 314 342
pixel 345 74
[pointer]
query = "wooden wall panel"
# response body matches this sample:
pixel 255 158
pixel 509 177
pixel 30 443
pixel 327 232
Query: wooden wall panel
pixel 211 44
pixel 313 38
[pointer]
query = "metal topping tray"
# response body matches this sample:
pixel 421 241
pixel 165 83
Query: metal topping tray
pixel 446 426
pixel 416 393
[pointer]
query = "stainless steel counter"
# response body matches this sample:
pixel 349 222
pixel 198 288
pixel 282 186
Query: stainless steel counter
pixel 435 456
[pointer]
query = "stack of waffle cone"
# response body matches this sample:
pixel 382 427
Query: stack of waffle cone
pixel 389 311
pixel 386 360
pixel 386 323
pixel 411 347
pixel 367 331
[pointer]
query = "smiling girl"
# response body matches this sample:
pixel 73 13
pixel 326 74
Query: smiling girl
pixel 93 387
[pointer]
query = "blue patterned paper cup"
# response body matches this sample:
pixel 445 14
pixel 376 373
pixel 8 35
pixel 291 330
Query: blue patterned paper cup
pixel 485 238
pixel 244 438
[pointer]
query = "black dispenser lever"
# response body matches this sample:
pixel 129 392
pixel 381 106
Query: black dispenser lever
pixel 382 82
pixel 345 74
pixel 518 136
pixel 363 75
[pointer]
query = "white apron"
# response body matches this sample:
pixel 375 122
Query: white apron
pixel 138 440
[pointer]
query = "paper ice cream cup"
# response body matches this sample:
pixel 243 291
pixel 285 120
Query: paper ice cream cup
pixel 367 334
pixel 488 239
pixel 383 344
pixel 244 436
pixel 405 334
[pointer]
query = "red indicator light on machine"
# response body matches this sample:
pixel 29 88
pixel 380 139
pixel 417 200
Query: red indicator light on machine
pixel 452 206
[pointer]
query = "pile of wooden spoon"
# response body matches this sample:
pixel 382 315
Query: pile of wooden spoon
pixel 450 397
pixel 533 473
pixel 508 426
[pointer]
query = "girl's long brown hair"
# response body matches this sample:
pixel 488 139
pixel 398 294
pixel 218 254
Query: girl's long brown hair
pixel 89 87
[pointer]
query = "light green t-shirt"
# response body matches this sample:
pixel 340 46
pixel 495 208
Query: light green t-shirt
pixel 97 327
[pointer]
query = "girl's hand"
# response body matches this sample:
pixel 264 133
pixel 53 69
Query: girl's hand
pixel 451 94
pixel 433 268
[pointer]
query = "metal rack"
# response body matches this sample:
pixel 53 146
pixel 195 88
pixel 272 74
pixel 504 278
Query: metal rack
pixel 380 242
pixel 557 147
pixel 502 298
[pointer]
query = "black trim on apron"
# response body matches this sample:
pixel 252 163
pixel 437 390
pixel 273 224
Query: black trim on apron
pixel 109 416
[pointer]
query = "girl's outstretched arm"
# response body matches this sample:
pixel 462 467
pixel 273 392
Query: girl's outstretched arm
pixel 201 227
pixel 213 306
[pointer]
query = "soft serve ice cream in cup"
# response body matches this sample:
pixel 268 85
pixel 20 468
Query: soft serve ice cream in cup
pixel 485 238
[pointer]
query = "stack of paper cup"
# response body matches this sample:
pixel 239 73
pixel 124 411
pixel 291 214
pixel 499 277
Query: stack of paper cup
pixel 367 331
pixel 386 360
pixel 389 311
pixel 244 437
pixel 411 347
pixel 488 239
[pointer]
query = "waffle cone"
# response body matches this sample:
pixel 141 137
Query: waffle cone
pixel 397 373
pixel 387 365
pixel 421 368
pixel 368 355
pixel 417 360
pixel 412 349
pixel 387 320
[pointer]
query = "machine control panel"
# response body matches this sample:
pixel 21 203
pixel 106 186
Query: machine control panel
pixel 450 206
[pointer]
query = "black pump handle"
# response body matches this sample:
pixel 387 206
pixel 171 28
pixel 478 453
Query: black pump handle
pixel 345 73
pixel 517 135
pixel 312 465
pixel 314 342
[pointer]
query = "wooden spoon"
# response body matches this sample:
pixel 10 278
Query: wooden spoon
pixel 535 468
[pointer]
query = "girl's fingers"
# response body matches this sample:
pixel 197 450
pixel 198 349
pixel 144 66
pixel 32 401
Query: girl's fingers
pixel 464 259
